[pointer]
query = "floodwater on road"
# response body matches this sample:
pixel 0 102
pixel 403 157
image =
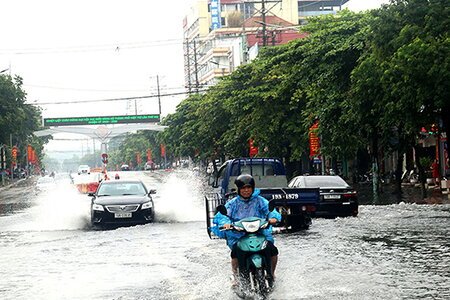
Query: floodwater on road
pixel 49 251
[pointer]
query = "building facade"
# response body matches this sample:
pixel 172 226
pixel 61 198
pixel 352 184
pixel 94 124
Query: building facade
pixel 220 35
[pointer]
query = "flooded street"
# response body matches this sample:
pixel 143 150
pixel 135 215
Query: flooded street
pixel 49 251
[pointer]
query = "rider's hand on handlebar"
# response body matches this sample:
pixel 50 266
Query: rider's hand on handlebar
pixel 226 226
pixel 273 221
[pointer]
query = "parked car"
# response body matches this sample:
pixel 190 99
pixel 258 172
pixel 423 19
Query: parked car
pixel 84 169
pixel 45 183
pixel 149 166
pixel 125 167
pixel 122 202
pixel 337 197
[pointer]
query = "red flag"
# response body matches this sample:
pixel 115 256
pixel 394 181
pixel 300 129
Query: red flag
pixel 253 149
pixel 138 157
pixel 314 141
pixel 163 150
pixel 14 151
pixel 30 153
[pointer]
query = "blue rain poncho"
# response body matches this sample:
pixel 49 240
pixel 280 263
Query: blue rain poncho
pixel 238 209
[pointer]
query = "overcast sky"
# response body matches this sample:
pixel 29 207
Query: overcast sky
pixel 88 50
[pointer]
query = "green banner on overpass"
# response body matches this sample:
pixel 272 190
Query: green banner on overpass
pixel 101 120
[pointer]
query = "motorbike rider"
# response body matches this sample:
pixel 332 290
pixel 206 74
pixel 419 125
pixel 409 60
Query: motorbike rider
pixel 248 203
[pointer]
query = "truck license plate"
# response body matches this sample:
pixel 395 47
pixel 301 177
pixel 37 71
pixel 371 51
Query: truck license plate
pixel 122 215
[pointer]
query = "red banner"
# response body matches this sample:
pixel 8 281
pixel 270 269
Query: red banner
pixel 314 141
pixel 30 153
pixel 35 158
pixel 14 151
pixel 163 150
pixel 253 149
pixel 138 157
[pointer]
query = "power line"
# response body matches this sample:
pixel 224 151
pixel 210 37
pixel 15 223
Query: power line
pixel 96 90
pixel 115 99
pixel 93 48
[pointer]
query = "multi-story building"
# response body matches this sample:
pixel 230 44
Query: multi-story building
pixel 221 35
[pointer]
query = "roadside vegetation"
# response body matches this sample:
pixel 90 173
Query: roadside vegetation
pixel 371 79
pixel 18 121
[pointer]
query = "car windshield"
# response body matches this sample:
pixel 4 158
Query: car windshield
pixel 118 189
pixel 325 181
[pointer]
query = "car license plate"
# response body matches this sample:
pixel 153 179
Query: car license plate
pixel 331 196
pixel 122 215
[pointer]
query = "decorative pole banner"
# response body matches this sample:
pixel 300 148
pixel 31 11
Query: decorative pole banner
pixel 30 153
pixel 314 141
pixel 163 150
pixel 14 152
pixel 253 149
pixel 33 157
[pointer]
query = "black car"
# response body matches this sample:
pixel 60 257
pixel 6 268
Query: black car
pixel 337 198
pixel 119 202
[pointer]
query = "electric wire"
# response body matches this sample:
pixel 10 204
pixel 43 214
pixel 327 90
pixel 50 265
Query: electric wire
pixel 115 99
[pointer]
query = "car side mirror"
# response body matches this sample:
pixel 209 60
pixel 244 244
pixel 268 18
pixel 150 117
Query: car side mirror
pixel 271 205
pixel 222 209
pixel 151 192
pixel 91 194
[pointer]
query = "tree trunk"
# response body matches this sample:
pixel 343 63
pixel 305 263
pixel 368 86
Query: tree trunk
pixel 375 177
pixel 398 175
pixel 422 176
pixel 446 127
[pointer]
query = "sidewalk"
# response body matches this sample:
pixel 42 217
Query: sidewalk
pixel 15 182
pixel 410 194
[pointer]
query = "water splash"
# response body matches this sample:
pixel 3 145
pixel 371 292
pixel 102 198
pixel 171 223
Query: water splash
pixel 180 198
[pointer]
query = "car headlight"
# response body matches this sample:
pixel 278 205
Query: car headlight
pixel 147 205
pixel 97 207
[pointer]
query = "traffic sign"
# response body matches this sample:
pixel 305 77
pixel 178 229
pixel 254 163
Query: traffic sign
pixel 317 160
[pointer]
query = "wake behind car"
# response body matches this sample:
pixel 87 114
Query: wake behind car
pixel 119 202
pixel 337 198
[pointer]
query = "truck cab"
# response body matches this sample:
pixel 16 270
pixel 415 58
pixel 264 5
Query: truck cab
pixel 294 204
pixel 267 172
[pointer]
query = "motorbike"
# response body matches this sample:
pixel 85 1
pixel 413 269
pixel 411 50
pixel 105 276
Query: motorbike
pixel 256 279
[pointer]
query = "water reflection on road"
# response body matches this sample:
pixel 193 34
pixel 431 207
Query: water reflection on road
pixel 48 251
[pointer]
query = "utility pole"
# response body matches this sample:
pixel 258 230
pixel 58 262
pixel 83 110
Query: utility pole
pixel 12 166
pixel 264 12
pixel 263 15
pixel 159 95
pixel 196 67
pixel 188 66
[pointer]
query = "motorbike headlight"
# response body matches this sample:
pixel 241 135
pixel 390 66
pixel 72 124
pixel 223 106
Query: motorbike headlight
pixel 147 205
pixel 97 207
pixel 252 226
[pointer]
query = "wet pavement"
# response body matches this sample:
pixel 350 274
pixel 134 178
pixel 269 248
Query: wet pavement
pixel 400 250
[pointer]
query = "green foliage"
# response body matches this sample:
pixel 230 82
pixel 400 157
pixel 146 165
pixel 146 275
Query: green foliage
pixel 18 120
pixel 372 80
